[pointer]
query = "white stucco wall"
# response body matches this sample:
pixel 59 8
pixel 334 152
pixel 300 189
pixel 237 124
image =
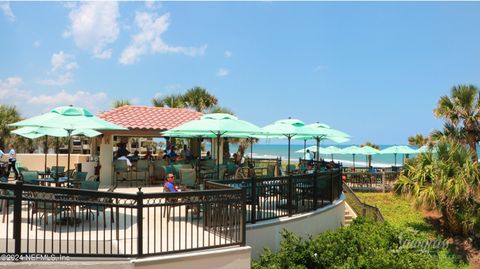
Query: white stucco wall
pixel 268 233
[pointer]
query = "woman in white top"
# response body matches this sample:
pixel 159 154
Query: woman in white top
pixel 12 159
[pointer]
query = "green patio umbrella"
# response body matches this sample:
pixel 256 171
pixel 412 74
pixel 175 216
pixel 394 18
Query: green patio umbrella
pixel 36 132
pixel 321 132
pixel 398 150
pixel 287 128
pixel 354 150
pixel 219 125
pixel 71 119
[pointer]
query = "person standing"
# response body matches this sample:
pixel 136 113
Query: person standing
pixel 12 160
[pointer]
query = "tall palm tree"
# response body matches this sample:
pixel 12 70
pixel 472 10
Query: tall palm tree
pixel 462 110
pixel 199 99
pixel 373 146
pixel 172 101
pixel 121 102
pixel 451 132
pixel 417 140
pixel 8 114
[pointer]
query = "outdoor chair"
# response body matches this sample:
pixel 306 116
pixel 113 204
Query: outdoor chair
pixel 168 208
pixel 142 166
pixel 271 170
pixel 57 171
pixel 43 206
pixel 188 177
pixel 120 168
pixel 104 203
pixel 30 177
pixel 5 202
pixel 77 178
pixel 158 169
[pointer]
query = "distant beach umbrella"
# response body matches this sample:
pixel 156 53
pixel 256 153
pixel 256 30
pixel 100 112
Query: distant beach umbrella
pixel 355 150
pixel 71 119
pixel 320 132
pixel 398 150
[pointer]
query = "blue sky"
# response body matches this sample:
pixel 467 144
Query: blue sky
pixel 374 70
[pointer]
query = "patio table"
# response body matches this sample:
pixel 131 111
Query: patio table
pixel 49 181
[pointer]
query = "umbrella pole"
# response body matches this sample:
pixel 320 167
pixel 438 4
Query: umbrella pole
pixel 58 145
pixel 251 149
pixel 46 151
pixel 288 162
pixel 353 161
pixel 395 158
pixel 218 156
pixel 318 149
pixel 331 155
pixel 304 148
pixel 68 159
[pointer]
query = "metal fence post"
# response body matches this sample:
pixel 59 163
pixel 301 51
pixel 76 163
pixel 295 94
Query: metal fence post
pixel 331 187
pixel 290 196
pixel 315 192
pixel 17 217
pixel 244 217
pixel 253 217
pixel 140 222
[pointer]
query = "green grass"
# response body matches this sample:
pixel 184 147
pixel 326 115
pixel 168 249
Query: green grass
pixel 399 211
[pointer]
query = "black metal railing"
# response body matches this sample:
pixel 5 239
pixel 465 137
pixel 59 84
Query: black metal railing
pixel 73 222
pixel 371 181
pixel 361 208
pixel 269 198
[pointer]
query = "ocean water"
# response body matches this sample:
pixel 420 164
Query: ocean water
pixel 264 150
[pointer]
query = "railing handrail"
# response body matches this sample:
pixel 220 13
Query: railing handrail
pixel 349 192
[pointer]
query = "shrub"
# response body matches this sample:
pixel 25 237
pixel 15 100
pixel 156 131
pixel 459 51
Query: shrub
pixel 364 244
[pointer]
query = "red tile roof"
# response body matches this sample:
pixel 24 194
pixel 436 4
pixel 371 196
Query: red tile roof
pixel 149 118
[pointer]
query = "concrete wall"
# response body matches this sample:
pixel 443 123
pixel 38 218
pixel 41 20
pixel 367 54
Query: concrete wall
pixel 268 233
pixel 36 161
pixel 226 258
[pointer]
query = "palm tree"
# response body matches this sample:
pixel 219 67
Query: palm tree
pixel 8 114
pixel 447 181
pixel 121 102
pixel 417 140
pixel 451 132
pixel 462 110
pixel 199 99
pixel 172 101
pixel 370 145
pixel 220 109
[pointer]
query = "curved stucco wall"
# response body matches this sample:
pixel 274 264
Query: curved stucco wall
pixel 267 234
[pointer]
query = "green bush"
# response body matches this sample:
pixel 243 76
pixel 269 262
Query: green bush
pixel 364 244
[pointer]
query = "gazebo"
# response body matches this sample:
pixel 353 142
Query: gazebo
pixel 141 121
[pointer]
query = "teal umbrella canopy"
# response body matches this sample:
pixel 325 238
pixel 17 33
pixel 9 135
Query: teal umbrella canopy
pixel 35 132
pixel 351 150
pixel 324 132
pixel 219 124
pixel 398 150
pixel 425 149
pixel 286 128
pixel 69 118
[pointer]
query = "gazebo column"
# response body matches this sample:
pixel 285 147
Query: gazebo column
pixel 106 161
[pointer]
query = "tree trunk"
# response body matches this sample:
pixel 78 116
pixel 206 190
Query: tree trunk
pixel 473 146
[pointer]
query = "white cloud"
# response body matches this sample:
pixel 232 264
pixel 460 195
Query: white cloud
pixel 62 61
pixel 93 26
pixel 151 4
pixel 31 103
pixel 61 73
pixel 228 54
pixel 222 72
pixel 59 80
pixel 149 39
pixel 7 11
pixel 37 43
